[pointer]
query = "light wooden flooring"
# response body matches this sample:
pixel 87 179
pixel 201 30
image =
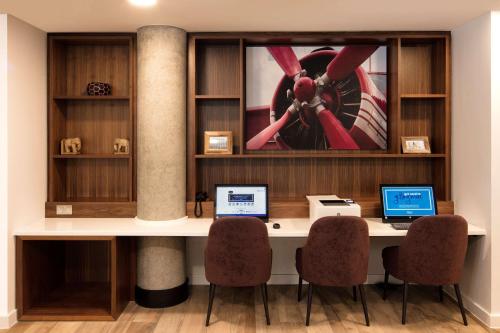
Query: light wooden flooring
pixel 241 310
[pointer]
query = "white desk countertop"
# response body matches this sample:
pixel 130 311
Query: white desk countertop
pixel 293 227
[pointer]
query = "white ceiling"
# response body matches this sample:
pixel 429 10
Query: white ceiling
pixel 249 15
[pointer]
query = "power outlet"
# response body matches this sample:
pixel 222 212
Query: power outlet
pixel 64 210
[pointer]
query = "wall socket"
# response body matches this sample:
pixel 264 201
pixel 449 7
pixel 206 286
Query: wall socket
pixel 64 210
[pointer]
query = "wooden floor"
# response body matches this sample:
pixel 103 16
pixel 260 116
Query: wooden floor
pixel 241 310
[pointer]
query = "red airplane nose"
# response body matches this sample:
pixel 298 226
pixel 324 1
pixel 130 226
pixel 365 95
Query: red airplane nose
pixel 304 89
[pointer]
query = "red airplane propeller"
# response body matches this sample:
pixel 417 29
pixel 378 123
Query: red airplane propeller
pixel 307 91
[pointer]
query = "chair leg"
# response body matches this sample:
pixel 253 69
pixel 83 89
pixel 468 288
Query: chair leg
pixel 211 294
pixel 405 301
pixel 460 304
pixel 441 295
pixel 386 280
pixel 354 294
pixel 363 301
pixel 309 302
pixel 299 292
pixel 263 290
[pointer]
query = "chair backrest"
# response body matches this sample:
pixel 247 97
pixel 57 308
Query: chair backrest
pixel 337 251
pixel 238 253
pixel 433 251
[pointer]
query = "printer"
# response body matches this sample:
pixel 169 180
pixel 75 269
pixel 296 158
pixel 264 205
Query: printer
pixel 331 205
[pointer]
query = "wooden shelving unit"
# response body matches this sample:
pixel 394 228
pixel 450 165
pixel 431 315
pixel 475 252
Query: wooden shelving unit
pixel 418 104
pixel 96 175
pixel 73 278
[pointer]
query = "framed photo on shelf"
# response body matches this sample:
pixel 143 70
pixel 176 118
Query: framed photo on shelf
pixel 415 145
pixel 218 142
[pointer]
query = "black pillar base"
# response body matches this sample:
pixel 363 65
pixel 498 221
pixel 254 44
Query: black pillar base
pixel 161 298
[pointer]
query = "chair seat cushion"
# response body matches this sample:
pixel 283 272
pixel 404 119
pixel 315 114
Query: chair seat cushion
pixel 390 257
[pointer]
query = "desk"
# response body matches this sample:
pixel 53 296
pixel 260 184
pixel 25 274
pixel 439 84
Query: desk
pixel 187 227
pixel 58 252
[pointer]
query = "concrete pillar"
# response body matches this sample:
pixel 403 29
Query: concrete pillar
pixel 161 162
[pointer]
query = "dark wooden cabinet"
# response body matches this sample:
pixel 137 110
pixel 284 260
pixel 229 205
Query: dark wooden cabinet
pixel 73 278
pixel 96 175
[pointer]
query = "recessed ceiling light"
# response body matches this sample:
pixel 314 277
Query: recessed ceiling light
pixel 143 3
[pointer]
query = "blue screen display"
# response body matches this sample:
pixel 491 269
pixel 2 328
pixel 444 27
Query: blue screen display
pixel 411 201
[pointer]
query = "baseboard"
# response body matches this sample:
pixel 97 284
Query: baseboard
pixel 477 311
pixel 283 279
pixel 8 321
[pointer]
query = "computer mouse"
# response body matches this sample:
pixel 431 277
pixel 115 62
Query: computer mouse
pixel 276 226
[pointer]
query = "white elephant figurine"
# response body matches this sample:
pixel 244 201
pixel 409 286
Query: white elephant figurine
pixel 71 146
pixel 121 146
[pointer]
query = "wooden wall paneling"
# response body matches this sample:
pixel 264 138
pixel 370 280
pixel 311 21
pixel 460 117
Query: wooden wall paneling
pixel 394 105
pixel 191 120
pixel 439 65
pixel 122 279
pixel 439 179
pixel 132 119
pixel 218 68
pixel 300 208
pixel 95 62
pixel 87 261
pixel 448 115
pixel 242 64
pixel 94 209
pixel 97 123
pixel 97 180
pixel 218 115
pixel 425 117
pixel 423 66
pixel 416 68
pixel 296 178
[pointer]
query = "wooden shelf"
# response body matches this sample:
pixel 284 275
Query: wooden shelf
pixel 92 156
pixel 217 97
pixel 92 98
pixel 319 155
pixel 423 96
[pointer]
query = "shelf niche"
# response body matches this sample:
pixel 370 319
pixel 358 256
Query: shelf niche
pixel 75 278
pixel 96 175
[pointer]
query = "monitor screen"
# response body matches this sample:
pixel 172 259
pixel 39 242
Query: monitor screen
pixel 241 200
pixel 408 200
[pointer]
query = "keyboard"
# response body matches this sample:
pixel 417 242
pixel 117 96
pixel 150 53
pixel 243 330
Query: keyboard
pixel 401 226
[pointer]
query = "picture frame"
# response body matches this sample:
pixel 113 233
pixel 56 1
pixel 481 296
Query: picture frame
pixel 218 142
pixel 415 145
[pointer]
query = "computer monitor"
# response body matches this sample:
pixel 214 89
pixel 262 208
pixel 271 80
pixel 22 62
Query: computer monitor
pixel 407 201
pixel 241 200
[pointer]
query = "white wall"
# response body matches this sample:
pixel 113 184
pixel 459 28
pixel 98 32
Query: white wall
pixel 476 157
pixel 25 128
pixel 495 167
pixel 4 288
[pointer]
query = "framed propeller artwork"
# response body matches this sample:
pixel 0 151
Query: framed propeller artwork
pixel 316 98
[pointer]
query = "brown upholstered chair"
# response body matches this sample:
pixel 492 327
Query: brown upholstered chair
pixel 238 254
pixel 336 254
pixel 432 253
